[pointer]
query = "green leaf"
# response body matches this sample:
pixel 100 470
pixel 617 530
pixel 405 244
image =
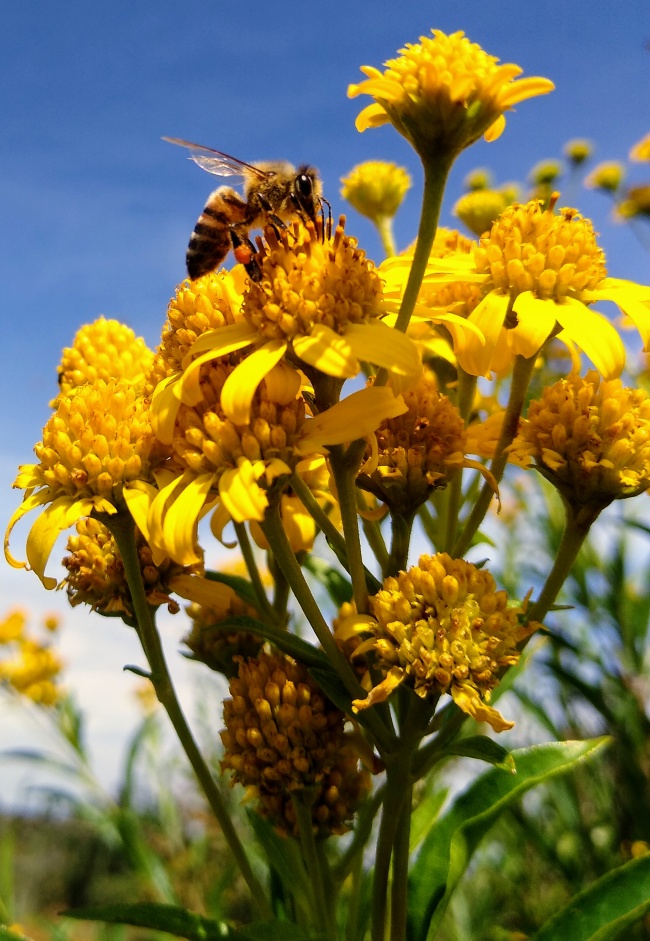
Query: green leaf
pixel 171 918
pixel 337 586
pixel 241 586
pixel 283 856
pixel 605 909
pixel 273 931
pixel 449 846
pixel 7 935
pixel 296 647
pixel 484 749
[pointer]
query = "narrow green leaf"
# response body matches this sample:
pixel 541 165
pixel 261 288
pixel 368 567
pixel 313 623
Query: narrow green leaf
pixel 332 685
pixel 449 846
pixel 7 935
pixel 171 918
pixel 484 749
pixel 337 586
pixel 241 586
pixel 296 647
pixel 605 909
pixel 273 931
pixel 283 857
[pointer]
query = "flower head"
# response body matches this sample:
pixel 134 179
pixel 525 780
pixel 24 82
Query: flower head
pixel 28 665
pixel 96 572
pixel 479 209
pixel 590 438
pixel 318 305
pixel 376 188
pixel 443 93
pixel 578 151
pixel 538 272
pixel 441 627
pixel 105 349
pixel 282 736
pixel 606 176
pixel 95 446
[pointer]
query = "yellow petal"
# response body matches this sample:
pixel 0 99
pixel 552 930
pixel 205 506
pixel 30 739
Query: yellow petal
pixel 383 346
pixel 181 520
pixel 218 522
pixel 327 351
pixel 203 591
pixel 495 130
pixel 222 340
pixel 381 692
pixel 356 416
pixel 242 383
pixel 536 320
pixel 637 309
pixel 139 496
pixel 594 335
pixel 371 116
pixel 283 383
pixel 30 502
pixel 155 521
pixel 468 699
pixel 164 408
pixel 525 88
pixel 488 316
pixel 55 519
pixel 241 494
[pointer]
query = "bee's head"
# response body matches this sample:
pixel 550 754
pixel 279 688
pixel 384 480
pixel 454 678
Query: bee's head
pixel 305 191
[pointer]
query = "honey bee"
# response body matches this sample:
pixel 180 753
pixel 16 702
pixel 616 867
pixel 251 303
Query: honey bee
pixel 274 192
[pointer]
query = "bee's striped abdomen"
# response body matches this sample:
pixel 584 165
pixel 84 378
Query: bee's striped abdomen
pixel 210 241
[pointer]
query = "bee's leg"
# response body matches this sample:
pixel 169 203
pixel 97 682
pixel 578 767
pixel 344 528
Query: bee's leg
pixel 244 252
pixel 271 217
pixel 327 226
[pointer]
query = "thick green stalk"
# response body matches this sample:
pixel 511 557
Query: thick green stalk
pixel 399 887
pixel 577 523
pixel 345 475
pixel 302 804
pixel 464 401
pixel 263 605
pixel 519 383
pixel 122 527
pixel 401 526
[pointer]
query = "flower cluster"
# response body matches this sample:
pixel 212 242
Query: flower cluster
pixel 28 665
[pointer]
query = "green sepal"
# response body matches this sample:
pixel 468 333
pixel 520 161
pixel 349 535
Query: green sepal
pixel 605 909
pixel 449 846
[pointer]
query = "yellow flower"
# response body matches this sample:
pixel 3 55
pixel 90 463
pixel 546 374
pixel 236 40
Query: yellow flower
pixel 606 176
pixel 376 188
pixel 96 573
pixel 28 666
pixel 479 179
pixel 479 209
pixel 319 304
pixel 95 446
pixel 105 349
pixel 441 627
pixel 590 438
pixel 538 271
pixel 545 173
pixel 12 627
pixel 210 302
pixel 578 151
pixel 282 736
pixel 641 150
pixel 417 452
pixel 636 202
pixel 443 93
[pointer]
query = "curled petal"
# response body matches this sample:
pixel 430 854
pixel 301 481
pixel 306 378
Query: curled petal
pixel 594 335
pixel 241 385
pixel 204 591
pixel 327 351
pixel 379 344
pixel 356 416
pixel 241 494
pixel 468 699
pixel 164 408
pixel 536 321
pixel 55 519
pixel 181 520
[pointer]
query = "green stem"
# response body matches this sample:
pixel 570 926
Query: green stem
pixel 302 801
pixel 263 604
pixel 399 888
pixel 345 474
pixel 577 524
pixel 401 526
pixel 372 532
pixel 384 226
pixel 519 383
pixel 284 556
pixel 122 527
pixel 465 399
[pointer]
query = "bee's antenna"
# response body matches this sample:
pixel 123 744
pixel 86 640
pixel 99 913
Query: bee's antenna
pixel 327 229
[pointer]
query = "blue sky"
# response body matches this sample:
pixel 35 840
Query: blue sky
pixel 96 210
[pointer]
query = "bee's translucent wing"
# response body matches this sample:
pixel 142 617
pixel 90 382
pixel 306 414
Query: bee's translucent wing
pixel 216 162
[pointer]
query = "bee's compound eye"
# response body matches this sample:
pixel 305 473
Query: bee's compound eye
pixel 304 185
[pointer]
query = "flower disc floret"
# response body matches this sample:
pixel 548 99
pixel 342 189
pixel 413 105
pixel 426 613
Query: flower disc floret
pixel 105 349
pixel 590 438
pixel 443 93
pixel 443 627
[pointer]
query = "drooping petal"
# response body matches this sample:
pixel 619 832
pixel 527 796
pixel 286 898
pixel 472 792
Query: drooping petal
pixel 594 335
pixel 241 385
pixel 536 320
pixel 327 351
pixel 356 416
pixel 495 130
pixel 468 699
pixel 384 346
pixel 476 357
pixel 218 522
pixel 632 299
pixel 139 496
pixel 204 591
pixel 371 116
pixel 241 494
pixel 283 383
pixel 55 519
pixel 181 520
pixel 31 501
pixel 165 404
pixel 223 340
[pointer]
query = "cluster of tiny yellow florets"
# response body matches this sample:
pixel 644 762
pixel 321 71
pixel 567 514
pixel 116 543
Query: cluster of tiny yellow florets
pixel 216 646
pixel 208 303
pixel 376 188
pixel 534 249
pixel 206 441
pixel 28 665
pixel 479 208
pixel 418 451
pixel 98 439
pixel 443 627
pixel 591 438
pixel 283 736
pixel 307 281
pixel 96 573
pixel 105 349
